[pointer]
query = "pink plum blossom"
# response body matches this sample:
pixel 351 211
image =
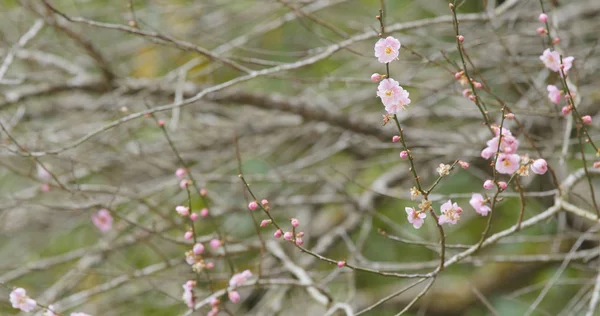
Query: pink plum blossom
pixel 554 94
pixel 240 278
pixel 204 212
pixel 414 217
pixel 502 185
pixel 586 119
pixel 234 296
pixel 540 166
pixel 375 78
pixel 341 264
pixel 508 163
pixel 295 222
pixel 395 139
pixel 387 49
pixel 450 213
pixel 551 59
pixel 103 220
pixel 253 205
pixel 403 154
pixel 182 210
pixel 188 293
pixel 215 243
pixel 478 203
pixel 288 236
pixel 198 248
pixel 487 152
pixel 194 216
pixel 20 300
pixel 543 17
pixel 188 235
pixel 392 95
pixel 184 183
pixel 488 184
pixel 299 241
pixel 278 233
pixel 566 110
pixel 180 173
pixel 265 222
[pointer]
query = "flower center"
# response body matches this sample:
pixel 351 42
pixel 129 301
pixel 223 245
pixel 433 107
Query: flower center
pixel 388 50
pixel 389 93
pixel 506 162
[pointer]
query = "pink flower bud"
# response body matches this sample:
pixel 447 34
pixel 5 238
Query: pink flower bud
pixel 463 164
pixel 265 222
pixel 198 248
pixel 215 243
pixel 214 302
pixel 180 173
pixel 395 139
pixel 278 233
pixel 300 234
pixel 194 216
pixel 203 192
pixel 161 123
pixel 477 85
pixel 264 202
pixel 539 166
pixel 510 116
pixel 488 184
pixel 472 98
pixel 403 154
pixel 204 212
pixel 299 241
pixel 210 265
pixel 295 222
pixel 543 17
pixel 466 93
pixel 460 38
pixel 288 236
pixel 597 164
pixel 184 183
pixel 234 296
pixel 502 185
pixel 541 30
pixel 586 119
pixel 252 205
pixel 555 41
pixel 188 235
pixel 459 75
pixel 566 110
pixel 182 210
pixel 375 78
pixel 341 264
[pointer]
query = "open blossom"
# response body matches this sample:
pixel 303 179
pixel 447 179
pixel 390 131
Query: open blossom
pixel 182 210
pixel 392 95
pixel 554 94
pixel 188 293
pixel 508 163
pixel 414 192
pixel 414 217
pixel 508 144
pixel 240 278
pixel 443 170
pixel 478 203
pixel 387 49
pixel 539 166
pixel 450 213
pixel 551 60
pixel 20 300
pixel 103 220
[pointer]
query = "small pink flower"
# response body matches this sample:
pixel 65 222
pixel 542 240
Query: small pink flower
pixel 278 233
pixel 204 212
pixel 387 49
pixel 586 119
pixel 404 154
pixel 488 152
pixel 161 123
pixel 240 278
pixel 265 222
pixel 182 210
pixel 477 85
pixel 502 185
pixel 288 236
pixel 180 173
pixel 299 241
pixel 488 184
pixel 392 95
pixel 543 17
pixel 234 296
pixel 375 78
pixel 188 293
pixel 541 30
pixel 184 183
pixel 566 110
pixel 395 139
pixel 554 94
pixel 450 213
pixel 478 203
pixel 295 222
pixel 198 248
pixel 341 264
pixel 556 40
pixel 509 144
pixel 414 217
pixel 194 216
pixel 508 163
pixel 210 265
pixel 103 220
pixel 539 166
pixel 253 205
pixel 463 164
pixel 596 164
pixel 551 59
pixel 188 235
pixel 460 38
pixel 20 300
pixel 215 243
pixel 567 63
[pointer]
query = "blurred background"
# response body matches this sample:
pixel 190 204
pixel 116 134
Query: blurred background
pixel 306 133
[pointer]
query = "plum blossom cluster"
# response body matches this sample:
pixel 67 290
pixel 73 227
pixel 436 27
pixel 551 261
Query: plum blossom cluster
pixel 449 213
pixel 291 236
pixel 392 95
pixel 506 145
pixel 235 281
pixel 20 300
